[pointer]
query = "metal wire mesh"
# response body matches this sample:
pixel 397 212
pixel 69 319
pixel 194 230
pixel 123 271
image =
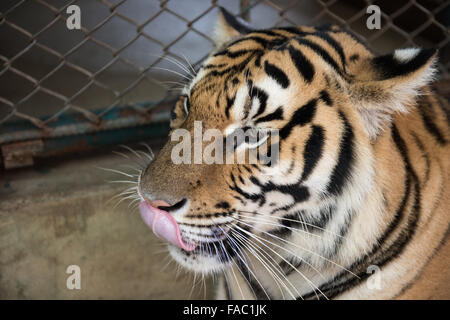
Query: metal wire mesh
pixel 115 62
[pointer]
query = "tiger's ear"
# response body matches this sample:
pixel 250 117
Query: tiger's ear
pixel 390 83
pixel 228 27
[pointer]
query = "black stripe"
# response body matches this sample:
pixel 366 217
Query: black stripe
pixel 325 27
pixel 390 67
pixel 304 67
pixel 354 57
pixel 429 124
pixel 277 74
pixel 301 116
pixel 336 46
pixel 286 268
pixel 276 115
pixel 358 39
pixel 257 61
pixel 342 233
pixel 401 145
pixel 443 106
pixel 425 156
pixel 230 102
pixel 278 39
pixel 313 151
pixel 285 226
pixel 325 97
pixel 292 164
pixel 262 96
pixel 341 172
pixel 399 213
pixel 233 69
pixel 298 192
pixel 214 66
pixel 219 95
pixel 320 221
pixel 234 187
pixel 266 32
pixel 222 205
pixel 321 52
pixel 240 200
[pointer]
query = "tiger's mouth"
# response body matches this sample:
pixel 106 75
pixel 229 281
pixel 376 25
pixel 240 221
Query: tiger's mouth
pixel 192 250
pixel 164 226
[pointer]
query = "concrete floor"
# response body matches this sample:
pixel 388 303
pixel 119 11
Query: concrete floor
pixel 56 214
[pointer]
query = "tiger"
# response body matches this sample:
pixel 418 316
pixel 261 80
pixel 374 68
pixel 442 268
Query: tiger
pixel 356 206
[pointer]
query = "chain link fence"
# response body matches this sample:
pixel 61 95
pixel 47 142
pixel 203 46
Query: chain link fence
pixel 113 80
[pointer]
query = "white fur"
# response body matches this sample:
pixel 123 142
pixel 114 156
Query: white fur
pixel 406 55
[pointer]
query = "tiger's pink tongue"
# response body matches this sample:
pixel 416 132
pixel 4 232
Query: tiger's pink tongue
pixel 163 225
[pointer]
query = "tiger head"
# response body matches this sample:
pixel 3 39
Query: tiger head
pixel 327 98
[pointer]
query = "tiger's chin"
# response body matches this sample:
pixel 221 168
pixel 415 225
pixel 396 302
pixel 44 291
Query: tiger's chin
pixel 199 261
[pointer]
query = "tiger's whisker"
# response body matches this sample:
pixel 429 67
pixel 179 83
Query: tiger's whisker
pixel 239 269
pixel 290 252
pixel 259 239
pixel 121 154
pixel 174 72
pixel 232 270
pixel 175 62
pixel 131 150
pixel 234 247
pixel 273 268
pixel 145 155
pixel 125 192
pixel 293 220
pixel 297 246
pixel 121 200
pixel 132 168
pixel 190 65
pixel 265 222
pixel 122 181
pixel 150 151
pixel 117 171
pixel 133 202
pixel 268 265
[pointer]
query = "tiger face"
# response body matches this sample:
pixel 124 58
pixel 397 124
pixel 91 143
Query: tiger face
pixel 326 96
